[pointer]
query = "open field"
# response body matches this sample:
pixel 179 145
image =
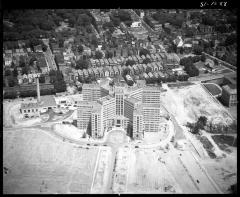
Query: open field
pixel 37 163
pixel 188 103
pixel 153 171
pixel 223 171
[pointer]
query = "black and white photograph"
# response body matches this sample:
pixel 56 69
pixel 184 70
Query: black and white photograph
pixel 120 100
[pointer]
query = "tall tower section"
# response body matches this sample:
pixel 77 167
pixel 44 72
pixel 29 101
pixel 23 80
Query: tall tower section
pixel 119 97
pixel 38 88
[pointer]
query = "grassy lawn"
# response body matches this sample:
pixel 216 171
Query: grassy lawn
pixel 223 141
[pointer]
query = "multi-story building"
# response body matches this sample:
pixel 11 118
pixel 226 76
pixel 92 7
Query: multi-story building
pixel 151 117
pixel 130 104
pixel 119 96
pixel 138 131
pixel 30 110
pixel 92 92
pixel 151 95
pixel 108 111
pixel 84 112
pixel 229 95
pixel 96 122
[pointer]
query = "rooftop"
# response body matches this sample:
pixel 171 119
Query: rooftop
pixel 231 88
pixel 90 86
pixel 47 101
pixel 106 98
pixel 132 100
pixel 29 105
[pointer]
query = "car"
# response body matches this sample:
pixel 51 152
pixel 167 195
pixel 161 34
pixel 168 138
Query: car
pixel 95 145
pixel 88 144
pixel 136 146
pixel 104 144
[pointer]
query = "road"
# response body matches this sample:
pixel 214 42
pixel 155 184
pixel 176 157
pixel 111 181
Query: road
pixel 49 56
pixel 150 30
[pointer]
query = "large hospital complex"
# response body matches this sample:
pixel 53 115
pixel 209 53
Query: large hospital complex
pixel 136 107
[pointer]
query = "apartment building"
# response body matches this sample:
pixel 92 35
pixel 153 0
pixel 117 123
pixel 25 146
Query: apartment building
pixel 84 112
pixel 130 104
pixel 108 104
pixel 92 92
pixel 96 122
pixel 138 132
pixel 151 117
pixel 229 95
pixel 151 95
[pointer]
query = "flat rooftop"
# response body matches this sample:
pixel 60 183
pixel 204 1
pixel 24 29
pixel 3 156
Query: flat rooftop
pixel 29 105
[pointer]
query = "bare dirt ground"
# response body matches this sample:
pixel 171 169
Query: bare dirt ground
pixel 188 103
pixel 68 131
pixel 153 171
pixel 223 171
pixel 37 163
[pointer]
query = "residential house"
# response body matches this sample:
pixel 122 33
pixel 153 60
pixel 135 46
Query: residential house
pixel 101 72
pixel 116 71
pixel 106 72
pixel 145 76
pixel 80 73
pixel 144 67
pixel 143 57
pixel 111 71
pixel 85 73
pixel 119 69
pixel 106 62
pixel 8 59
pixel 135 69
pixel 38 48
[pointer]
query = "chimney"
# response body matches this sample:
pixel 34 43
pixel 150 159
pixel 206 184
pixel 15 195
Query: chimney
pixel 38 90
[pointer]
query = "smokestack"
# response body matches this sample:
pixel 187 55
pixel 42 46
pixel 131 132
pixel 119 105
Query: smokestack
pixel 38 90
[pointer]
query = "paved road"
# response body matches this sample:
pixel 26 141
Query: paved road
pixel 49 56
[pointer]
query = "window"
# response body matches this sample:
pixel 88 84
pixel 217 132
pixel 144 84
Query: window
pixel 29 110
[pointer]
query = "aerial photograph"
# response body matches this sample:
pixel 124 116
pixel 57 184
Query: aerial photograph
pixel 119 101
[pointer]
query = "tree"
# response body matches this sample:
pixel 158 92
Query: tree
pixel 130 62
pixel 44 47
pixel 61 42
pixel 146 61
pixel 8 72
pixel 202 121
pixel 231 39
pixel 82 64
pixel 11 81
pixel 126 71
pixel 109 26
pixel 197 50
pixel 42 79
pixel 144 52
pixel 25 70
pixel 94 41
pixel 80 48
pixel 203 58
pixel 109 54
pixel 148 70
pixel 15 72
pixel 98 55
